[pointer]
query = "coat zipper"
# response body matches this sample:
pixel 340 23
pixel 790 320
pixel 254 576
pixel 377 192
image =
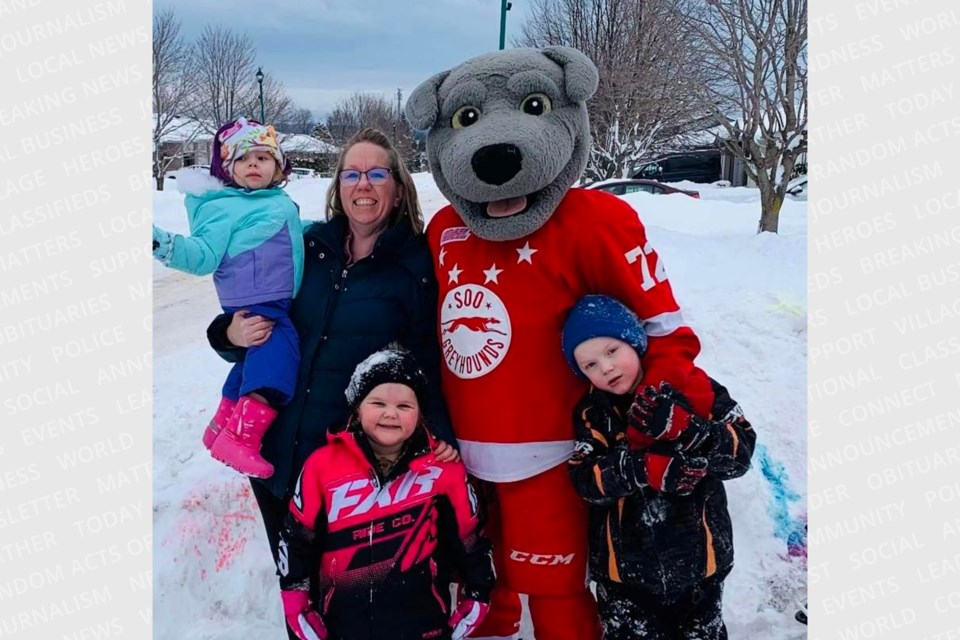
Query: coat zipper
pixel 333 586
pixel 376 483
pixel 433 586
pixel 379 487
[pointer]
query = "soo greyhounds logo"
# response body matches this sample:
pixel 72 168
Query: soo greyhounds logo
pixel 474 330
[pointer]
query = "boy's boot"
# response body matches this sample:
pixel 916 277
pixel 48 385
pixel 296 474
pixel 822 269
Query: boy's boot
pixel 238 445
pixel 219 421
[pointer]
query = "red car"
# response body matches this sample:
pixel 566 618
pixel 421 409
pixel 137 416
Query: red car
pixel 620 187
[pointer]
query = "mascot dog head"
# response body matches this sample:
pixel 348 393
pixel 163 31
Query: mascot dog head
pixel 509 135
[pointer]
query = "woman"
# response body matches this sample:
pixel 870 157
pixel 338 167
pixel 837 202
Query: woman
pixel 367 281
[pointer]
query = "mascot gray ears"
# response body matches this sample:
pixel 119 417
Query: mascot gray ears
pixel 422 106
pixel 580 75
pixel 509 135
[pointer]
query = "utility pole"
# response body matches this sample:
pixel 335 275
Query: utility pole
pixel 504 7
pixel 399 93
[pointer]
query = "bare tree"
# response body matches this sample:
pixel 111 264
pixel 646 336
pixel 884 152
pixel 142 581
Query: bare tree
pixel 359 110
pixel 174 85
pixel 754 81
pixel 298 120
pixel 643 101
pixel 322 133
pixel 228 88
pixel 277 105
pixel 225 63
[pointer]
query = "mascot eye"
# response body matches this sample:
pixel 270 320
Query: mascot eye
pixel 464 117
pixel 536 104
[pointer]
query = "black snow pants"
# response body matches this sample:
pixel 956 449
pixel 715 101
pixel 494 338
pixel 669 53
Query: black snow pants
pixel 274 511
pixel 631 613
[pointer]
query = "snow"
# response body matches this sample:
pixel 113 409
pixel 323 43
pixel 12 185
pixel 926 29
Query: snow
pixel 743 293
pixel 181 129
pixel 294 143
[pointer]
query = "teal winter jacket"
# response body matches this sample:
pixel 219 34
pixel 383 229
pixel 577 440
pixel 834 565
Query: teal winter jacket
pixel 342 315
pixel 251 241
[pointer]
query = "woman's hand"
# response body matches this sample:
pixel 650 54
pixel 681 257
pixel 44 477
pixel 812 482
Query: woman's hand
pixel 248 331
pixel 444 452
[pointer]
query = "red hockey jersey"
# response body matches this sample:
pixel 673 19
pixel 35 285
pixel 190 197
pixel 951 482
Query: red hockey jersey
pixel 502 308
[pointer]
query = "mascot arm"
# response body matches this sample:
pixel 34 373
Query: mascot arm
pixel 622 263
pixel 460 528
pixel 421 339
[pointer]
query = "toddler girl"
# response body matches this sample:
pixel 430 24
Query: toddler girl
pixel 245 230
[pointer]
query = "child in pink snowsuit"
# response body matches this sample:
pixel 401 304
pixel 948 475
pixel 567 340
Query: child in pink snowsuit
pixel 385 521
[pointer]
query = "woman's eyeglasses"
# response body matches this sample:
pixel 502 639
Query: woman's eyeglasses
pixel 376 175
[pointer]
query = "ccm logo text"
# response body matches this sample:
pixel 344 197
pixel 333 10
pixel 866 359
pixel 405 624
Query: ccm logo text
pixel 544 559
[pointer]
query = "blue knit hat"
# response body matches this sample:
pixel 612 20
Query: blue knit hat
pixel 601 316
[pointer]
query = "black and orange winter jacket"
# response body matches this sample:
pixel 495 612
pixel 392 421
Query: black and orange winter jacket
pixel 384 546
pixel 662 543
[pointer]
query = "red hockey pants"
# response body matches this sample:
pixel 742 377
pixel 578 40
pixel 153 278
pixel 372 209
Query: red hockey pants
pixel 539 531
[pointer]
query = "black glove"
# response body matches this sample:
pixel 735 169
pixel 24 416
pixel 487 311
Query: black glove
pixel 665 414
pixel 633 467
pixel 674 473
pixel 696 435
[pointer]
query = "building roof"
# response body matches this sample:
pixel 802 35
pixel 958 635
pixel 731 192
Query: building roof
pixel 183 129
pixel 302 143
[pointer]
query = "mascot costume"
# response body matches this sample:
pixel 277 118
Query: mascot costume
pixel 515 250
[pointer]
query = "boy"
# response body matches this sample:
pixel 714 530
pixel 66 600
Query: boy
pixel 661 541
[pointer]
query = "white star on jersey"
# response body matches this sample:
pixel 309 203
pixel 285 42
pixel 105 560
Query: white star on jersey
pixel 492 274
pixel 455 274
pixel 443 254
pixel 526 253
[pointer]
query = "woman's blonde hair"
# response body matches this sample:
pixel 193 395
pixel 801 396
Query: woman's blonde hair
pixel 409 204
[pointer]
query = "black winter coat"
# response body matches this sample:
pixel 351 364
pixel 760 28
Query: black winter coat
pixel 342 315
pixel 662 543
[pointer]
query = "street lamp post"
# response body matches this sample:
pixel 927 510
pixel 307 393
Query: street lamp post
pixel 504 7
pixel 260 82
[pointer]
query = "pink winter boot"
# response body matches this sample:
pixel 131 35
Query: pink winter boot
pixel 238 445
pixel 220 419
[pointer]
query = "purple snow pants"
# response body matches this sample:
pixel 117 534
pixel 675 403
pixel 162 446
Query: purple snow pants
pixel 270 369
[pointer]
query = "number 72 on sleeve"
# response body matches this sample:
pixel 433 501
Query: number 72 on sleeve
pixel 650 280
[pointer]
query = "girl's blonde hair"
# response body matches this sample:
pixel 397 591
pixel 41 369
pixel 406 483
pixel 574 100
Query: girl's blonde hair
pixel 409 203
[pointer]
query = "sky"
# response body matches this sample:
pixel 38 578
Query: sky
pixel 323 50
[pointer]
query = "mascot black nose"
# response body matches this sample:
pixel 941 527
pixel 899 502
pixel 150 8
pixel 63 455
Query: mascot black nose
pixel 497 163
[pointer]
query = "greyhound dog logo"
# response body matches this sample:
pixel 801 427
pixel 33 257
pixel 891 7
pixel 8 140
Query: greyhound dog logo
pixel 473 323
pixel 475 330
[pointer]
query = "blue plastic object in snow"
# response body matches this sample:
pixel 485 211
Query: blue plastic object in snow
pixel 791 530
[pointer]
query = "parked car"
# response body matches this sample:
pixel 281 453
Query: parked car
pixel 302 172
pixel 620 187
pixel 702 166
pixel 797 188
